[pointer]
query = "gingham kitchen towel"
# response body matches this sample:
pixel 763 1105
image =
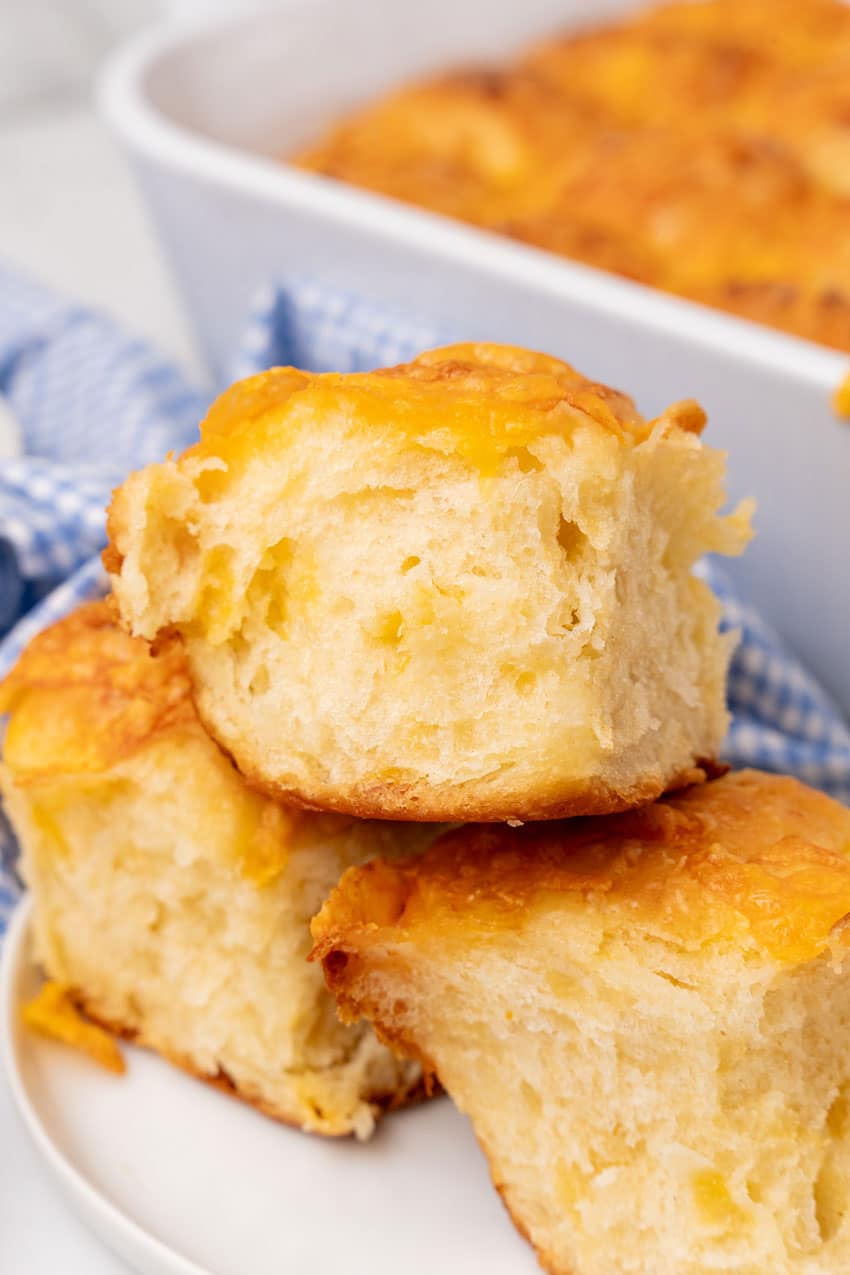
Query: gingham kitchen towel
pixel 93 403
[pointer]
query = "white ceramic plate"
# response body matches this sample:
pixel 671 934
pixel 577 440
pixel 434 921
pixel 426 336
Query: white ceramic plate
pixel 179 1179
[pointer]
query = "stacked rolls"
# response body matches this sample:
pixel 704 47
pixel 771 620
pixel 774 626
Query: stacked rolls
pixel 457 592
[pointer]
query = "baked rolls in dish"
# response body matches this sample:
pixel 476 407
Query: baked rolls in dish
pixel 645 1018
pixel 702 148
pixel 171 902
pixel 456 589
pixel 488 146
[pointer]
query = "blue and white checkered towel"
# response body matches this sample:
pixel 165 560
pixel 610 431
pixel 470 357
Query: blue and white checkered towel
pixel 93 403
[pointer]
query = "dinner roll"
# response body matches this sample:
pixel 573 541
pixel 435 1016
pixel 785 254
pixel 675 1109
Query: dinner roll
pixel 456 589
pixel 645 1017
pixel 171 901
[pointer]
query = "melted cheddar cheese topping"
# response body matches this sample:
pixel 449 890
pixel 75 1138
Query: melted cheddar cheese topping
pixel 746 854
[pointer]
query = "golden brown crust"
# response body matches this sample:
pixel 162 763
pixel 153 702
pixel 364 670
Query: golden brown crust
pixel 85 697
pixel 548 1264
pixel 702 149
pixel 411 803
pixel 418 1091
pixel 473 398
pixel 525 379
pixel 115 697
pixel 750 850
pixel 110 557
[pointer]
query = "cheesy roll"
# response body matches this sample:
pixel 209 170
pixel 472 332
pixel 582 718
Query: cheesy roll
pixel 172 903
pixel 457 589
pixel 645 1018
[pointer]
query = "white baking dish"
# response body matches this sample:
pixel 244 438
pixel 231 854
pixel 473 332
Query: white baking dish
pixel 203 109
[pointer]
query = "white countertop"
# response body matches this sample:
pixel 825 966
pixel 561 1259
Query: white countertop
pixel 69 214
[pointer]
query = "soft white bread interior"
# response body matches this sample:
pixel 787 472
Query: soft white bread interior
pixel 171 901
pixel 646 1018
pixel 457 589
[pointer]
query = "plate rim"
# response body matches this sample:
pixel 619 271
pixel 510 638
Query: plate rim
pixel 125 1237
